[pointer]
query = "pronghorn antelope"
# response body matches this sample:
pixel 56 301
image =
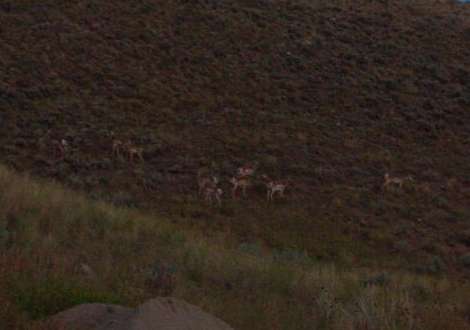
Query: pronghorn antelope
pixel 118 147
pixel 208 187
pixel 247 169
pixel 388 181
pixel 213 192
pixel 59 148
pixel 240 183
pixel 274 186
pixel 133 151
pixel 204 181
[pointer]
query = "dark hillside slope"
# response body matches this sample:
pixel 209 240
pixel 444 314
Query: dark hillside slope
pixel 331 94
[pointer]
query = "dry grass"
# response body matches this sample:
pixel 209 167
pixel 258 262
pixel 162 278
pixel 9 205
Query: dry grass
pixel 48 231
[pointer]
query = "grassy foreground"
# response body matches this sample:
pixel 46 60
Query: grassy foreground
pixel 59 249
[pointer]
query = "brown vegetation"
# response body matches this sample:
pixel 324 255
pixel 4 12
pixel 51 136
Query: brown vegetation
pixel 332 93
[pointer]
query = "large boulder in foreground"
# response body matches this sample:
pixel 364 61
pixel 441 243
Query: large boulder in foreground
pixel 93 316
pixel 169 313
pixel 155 314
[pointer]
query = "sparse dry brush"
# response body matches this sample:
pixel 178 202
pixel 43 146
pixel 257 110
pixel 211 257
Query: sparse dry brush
pixel 325 91
pixel 48 231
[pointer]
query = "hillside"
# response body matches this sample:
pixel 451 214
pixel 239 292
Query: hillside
pixel 329 93
pixel 60 249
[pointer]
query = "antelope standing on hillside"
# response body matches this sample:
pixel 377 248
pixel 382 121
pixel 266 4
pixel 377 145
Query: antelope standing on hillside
pixel 208 187
pixel 133 151
pixel 213 192
pixel 59 148
pixel 240 183
pixel 205 180
pixel 388 181
pixel 247 170
pixel 274 186
pixel 118 147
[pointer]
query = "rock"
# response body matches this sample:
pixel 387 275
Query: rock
pixel 158 314
pixel 172 314
pixel 92 317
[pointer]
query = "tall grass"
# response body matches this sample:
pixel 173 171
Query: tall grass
pixel 48 233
